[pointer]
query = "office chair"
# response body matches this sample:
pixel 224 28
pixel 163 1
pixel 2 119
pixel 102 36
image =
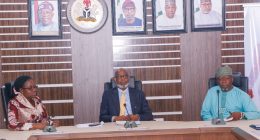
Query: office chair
pixel 7 94
pixel 239 81
pixel 132 83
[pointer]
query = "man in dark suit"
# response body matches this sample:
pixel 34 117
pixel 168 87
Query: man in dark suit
pixel 124 103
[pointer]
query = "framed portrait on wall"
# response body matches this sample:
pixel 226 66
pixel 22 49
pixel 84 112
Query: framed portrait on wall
pixel 129 17
pixel 44 19
pixel 208 15
pixel 169 16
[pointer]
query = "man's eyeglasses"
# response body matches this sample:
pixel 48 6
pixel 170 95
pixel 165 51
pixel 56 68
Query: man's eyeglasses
pixel 122 76
pixel 205 3
pixel 130 9
pixel 31 88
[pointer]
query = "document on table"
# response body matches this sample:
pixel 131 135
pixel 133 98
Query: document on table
pixel 47 133
pixel 96 124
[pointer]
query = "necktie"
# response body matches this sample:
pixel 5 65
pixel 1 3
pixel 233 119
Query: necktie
pixel 122 103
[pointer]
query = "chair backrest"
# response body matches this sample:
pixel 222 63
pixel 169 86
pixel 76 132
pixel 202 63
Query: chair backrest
pixel 132 83
pixel 6 95
pixel 238 81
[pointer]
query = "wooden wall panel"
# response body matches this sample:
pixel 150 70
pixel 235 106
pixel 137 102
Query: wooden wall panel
pixel 200 58
pixel 166 71
pixel 42 77
pixel 164 89
pixel 48 61
pixel 59 109
pixel 232 47
pixel 92 66
pixel 58 93
pixel 166 105
pixel 2 125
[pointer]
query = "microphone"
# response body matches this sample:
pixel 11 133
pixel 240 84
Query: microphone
pixel 129 118
pixel 218 120
pixel 49 127
pixel 218 102
pixel 129 123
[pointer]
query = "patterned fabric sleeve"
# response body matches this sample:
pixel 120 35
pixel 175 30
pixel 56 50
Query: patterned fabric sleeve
pixel 44 113
pixel 22 117
pixel 13 118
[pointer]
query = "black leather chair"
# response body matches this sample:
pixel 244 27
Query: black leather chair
pixel 132 83
pixel 239 81
pixel 6 95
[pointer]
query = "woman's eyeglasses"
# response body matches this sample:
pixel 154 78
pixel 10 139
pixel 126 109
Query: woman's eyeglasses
pixel 31 88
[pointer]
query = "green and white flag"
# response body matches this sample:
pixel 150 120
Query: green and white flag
pixel 159 8
pixel 118 2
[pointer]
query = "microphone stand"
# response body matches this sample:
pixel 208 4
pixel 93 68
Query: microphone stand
pixel 49 127
pixel 129 123
pixel 218 120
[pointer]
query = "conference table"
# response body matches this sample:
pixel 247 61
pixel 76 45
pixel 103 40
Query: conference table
pixel 153 130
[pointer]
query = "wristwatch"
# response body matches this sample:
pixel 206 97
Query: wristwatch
pixel 242 115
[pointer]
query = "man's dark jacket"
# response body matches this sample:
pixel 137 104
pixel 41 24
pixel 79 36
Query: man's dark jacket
pixel 110 105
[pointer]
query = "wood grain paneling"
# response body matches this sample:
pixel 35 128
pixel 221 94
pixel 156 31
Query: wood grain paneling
pixel 18 2
pixel 36 67
pixel 15 15
pixel 147 56
pixel 233 38
pixel 57 93
pixel 66 122
pixel 200 59
pixel 48 61
pixel 59 109
pixel 165 105
pixel 236 36
pixel 92 66
pixel 170 89
pixel 147 62
pixel 37 43
pixel 12 7
pixel 2 124
pixel 57 58
pixel 56 77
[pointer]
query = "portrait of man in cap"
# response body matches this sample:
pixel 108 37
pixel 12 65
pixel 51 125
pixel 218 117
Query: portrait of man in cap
pixel 227 102
pixel 45 20
pixel 206 15
pixel 169 19
pixel 128 17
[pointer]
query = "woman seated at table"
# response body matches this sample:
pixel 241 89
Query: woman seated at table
pixel 25 110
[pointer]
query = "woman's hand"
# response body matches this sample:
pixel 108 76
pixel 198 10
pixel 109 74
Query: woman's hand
pixel 39 125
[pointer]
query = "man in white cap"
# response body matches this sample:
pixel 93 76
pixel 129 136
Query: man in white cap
pixel 169 20
pixel 234 104
pixel 45 14
pixel 206 16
